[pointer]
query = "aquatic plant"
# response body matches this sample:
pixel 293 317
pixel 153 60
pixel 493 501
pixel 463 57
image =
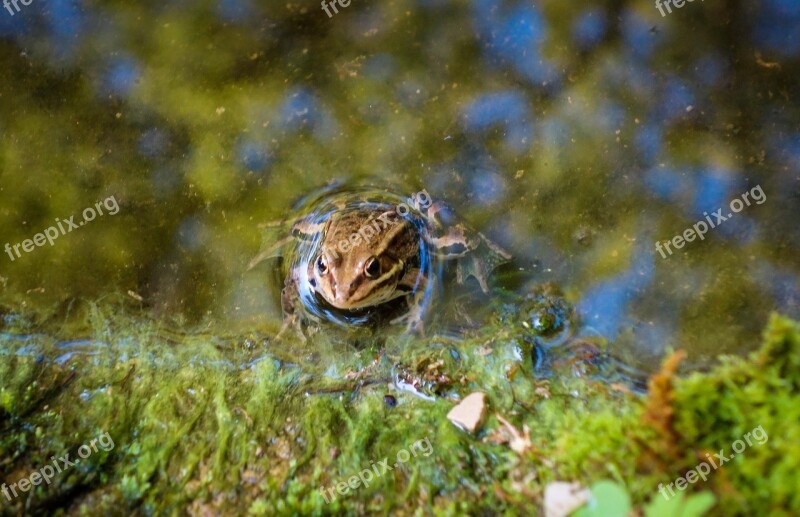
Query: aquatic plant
pixel 225 425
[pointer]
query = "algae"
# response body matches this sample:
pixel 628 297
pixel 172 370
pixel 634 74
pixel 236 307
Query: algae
pixel 225 426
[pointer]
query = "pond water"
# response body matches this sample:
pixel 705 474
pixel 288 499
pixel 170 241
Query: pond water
pixel 576 137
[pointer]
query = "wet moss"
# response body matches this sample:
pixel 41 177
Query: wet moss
pixel 206 423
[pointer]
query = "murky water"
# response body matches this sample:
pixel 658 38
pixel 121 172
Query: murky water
pixel 576 137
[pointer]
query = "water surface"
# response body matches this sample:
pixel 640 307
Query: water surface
pixel 575 136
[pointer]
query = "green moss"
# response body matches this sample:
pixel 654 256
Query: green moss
pixel 715 410
pixel 202 422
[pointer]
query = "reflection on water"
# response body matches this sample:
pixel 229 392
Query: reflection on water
pixel 574 136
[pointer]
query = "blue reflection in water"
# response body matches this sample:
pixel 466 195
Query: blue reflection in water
pixel 665 182
pixel 778 27
pixel 782 284
pixel 66 22
pixel 710 69
pixel 708 190
pixel 604 306
pixel 640 41
pixel 515 38
pixel 713 189
pixel 589 28
pixel 494 108
pixel 740 227
pixel 303 110
pixel 488 187
pixel 85 347
pixel 153 142
pixel 121 76
pixel 299 109
pixel 648 140
pixel 554 132
pixel 675 96
pixel 507 109
pixel 484 184
pixel 609 116
pixel 253 156
pixel 65 19
pixel 12 26
pixel 235 10
pixel 786 148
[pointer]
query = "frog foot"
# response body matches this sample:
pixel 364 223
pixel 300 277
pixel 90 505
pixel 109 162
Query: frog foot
pixel 481 262
pixel 413 322
pixel 291 322
pixel 413 319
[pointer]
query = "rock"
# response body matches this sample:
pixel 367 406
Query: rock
pixel 470 412
pixel 562 498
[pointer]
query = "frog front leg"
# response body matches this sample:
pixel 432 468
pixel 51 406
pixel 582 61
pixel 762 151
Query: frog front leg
pixel 302 229
pixel 416 283
pixel 290 300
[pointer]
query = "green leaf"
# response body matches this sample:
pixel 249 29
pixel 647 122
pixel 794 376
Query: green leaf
pixel 698 504
pixel 694 505
pixel 608 500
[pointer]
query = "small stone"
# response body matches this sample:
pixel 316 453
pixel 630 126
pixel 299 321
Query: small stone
pixel 470 412
pixel 562 498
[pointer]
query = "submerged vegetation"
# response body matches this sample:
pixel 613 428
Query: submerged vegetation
pixel 225 425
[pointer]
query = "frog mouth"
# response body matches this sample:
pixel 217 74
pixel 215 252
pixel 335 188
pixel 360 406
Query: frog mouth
pixel 388 305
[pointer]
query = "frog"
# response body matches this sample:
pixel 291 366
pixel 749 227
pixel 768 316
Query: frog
pixel 364 257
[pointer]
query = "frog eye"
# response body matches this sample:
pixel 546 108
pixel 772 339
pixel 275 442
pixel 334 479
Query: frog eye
pixel 373 267
pixel 321 265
